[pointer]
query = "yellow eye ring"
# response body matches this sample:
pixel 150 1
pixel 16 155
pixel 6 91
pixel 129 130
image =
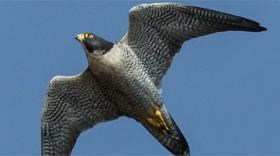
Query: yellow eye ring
pixel 90 36
pixel 87 35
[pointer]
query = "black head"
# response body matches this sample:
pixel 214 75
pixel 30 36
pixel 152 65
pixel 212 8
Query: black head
pixel 93 43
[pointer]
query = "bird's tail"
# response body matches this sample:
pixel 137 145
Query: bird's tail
pixel 170 136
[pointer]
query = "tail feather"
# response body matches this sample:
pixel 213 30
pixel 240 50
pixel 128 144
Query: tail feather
pixel 173 140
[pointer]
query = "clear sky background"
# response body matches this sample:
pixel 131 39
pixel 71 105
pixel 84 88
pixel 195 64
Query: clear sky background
pixel 223 90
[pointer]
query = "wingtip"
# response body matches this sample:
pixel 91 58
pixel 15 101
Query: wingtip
pixel 252 25
pixel 262 28
pixel 257 29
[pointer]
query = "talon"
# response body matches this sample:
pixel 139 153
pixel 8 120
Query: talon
pixel 158 121
pixel 158 113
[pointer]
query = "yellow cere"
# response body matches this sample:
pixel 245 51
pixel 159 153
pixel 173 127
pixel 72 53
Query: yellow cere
pixel 81 37
pixel 84 36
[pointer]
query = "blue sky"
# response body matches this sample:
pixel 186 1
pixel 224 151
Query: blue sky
pixel 223 90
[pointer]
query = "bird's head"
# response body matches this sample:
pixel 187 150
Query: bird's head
pixel 93 45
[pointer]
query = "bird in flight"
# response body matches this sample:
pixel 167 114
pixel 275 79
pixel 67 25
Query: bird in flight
pixel 124 78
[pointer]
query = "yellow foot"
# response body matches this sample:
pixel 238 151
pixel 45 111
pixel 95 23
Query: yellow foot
pixel 158 121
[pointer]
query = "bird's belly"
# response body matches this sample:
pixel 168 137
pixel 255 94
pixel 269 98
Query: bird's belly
pixel 124 72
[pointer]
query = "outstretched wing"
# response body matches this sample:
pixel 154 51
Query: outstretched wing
pixel 58 129
pixel 157 31
pixel 69 110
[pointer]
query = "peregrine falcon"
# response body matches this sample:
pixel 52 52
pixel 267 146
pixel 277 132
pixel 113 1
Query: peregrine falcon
pixel 124 78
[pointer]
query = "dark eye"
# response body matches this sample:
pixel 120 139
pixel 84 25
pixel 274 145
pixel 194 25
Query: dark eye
pixel 89 35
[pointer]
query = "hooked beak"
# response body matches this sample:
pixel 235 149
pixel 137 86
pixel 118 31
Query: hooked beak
pixel 80 37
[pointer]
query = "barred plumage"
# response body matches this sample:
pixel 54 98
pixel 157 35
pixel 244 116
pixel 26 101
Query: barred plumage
pixel 123 79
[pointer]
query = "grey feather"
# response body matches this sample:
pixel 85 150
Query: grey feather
pixel 124 79
pixel 157 31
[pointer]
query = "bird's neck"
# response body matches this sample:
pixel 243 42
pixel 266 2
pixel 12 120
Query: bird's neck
pixel 106 65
